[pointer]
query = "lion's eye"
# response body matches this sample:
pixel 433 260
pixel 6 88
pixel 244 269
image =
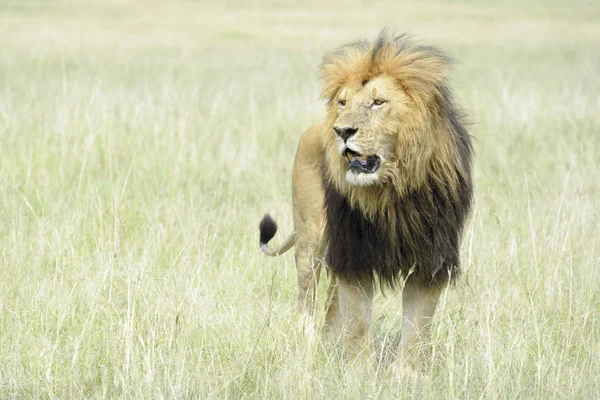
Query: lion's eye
pixel 341 103
pixel 378 102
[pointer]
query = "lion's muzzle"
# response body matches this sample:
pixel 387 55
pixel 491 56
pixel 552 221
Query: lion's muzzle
pixel 358 163
pixel 345 132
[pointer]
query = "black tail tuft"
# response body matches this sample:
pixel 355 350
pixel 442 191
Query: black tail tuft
pixel 267 227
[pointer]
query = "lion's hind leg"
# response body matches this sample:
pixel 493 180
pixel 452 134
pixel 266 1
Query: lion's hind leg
pixel 309 262
pixel 333 314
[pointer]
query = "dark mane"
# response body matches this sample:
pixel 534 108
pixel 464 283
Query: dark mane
pixel 424 248
pixel 415 232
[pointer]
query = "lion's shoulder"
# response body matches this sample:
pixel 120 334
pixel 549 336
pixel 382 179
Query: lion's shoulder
pixel 312 144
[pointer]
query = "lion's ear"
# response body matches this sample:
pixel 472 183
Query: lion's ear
pixel 338 68
pixel 333 79
pixel 418 69
pixel 422 72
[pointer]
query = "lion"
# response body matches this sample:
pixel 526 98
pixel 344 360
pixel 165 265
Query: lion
pixel 381 189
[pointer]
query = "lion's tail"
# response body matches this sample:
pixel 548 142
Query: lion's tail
pixel 268 227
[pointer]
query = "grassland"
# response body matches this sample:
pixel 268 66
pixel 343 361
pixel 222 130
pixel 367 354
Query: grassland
pixel 140 142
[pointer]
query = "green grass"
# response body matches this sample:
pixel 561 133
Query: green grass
pixel 141 142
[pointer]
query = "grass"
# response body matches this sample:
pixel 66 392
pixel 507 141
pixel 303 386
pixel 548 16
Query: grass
pixel 142 141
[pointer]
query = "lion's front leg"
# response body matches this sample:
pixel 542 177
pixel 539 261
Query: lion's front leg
pixel 355 301
pixel 418 307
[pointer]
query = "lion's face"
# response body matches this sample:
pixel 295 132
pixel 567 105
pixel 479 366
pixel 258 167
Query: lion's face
pixel 366 128
pixel 391 123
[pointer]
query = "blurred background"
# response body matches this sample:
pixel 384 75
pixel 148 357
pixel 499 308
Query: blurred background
pixel 141 142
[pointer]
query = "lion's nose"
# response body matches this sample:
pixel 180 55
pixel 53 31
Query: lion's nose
pixel 345 132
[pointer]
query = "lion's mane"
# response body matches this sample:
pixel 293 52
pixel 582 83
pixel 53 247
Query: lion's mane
pixel 409 225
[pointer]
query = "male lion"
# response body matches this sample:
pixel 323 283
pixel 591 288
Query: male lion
pixel 381 187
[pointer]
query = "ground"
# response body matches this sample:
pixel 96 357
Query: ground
pixel 141 142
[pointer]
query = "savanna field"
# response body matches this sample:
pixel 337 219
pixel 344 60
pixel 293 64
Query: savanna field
pixel 141 143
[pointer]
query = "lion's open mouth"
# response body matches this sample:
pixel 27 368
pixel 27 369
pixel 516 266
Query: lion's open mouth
pixel 360 163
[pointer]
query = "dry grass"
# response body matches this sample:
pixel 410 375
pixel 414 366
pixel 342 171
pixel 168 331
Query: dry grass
pixel 141 143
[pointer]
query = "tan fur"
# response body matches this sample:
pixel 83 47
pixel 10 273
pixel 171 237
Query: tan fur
pixel 309 220
pixel 422 149
pixel 410 134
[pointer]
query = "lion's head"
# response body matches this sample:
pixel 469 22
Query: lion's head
pixel 392 118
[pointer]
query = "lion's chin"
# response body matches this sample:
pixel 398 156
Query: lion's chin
pixel 361 179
